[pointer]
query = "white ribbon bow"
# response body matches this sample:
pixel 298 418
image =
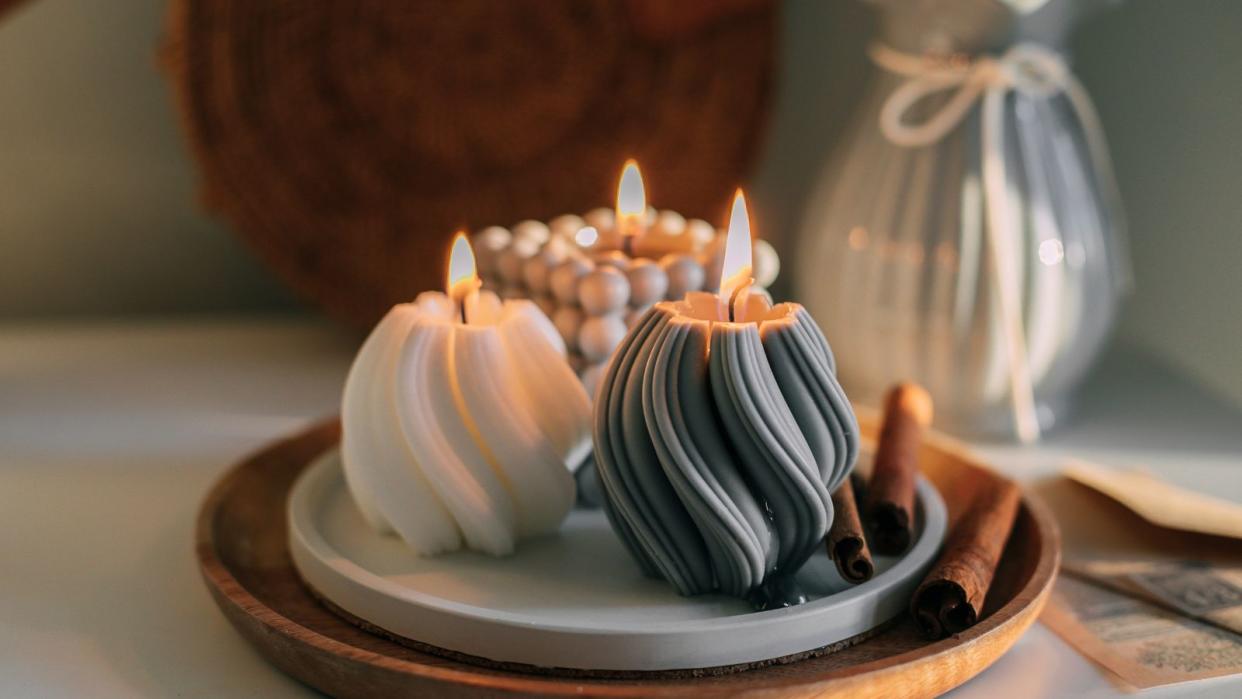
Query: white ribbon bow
pixel 1030 69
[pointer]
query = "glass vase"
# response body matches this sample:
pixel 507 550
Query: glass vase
pixel 994 284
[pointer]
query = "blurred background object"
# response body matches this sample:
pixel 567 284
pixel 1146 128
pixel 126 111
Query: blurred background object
pixel 347 141
pixel 99 215
pixel 967 234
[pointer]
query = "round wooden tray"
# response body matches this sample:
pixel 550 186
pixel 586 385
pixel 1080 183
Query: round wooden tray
pixel 244 558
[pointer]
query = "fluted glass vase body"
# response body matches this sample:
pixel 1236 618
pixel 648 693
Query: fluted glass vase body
pixel 894 252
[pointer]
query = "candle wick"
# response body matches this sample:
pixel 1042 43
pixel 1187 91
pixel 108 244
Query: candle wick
pixel 461 306
pixel 733 299
pixel 627 244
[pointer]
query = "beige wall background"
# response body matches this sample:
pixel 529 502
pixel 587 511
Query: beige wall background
pixel 98 211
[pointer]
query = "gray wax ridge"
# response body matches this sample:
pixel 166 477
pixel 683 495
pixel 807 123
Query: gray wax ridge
pixel 716 467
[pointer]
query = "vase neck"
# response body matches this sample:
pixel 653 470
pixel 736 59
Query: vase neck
pixel 978 26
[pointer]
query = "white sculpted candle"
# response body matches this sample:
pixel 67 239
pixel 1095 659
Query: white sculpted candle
pixel 720 432
pixel 460 419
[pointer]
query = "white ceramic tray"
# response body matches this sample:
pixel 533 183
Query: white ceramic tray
pixel 576 599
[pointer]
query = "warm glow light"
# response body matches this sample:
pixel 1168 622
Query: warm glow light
pixel 631 199
pixel 462 279
pixel 586 236
pixel 736 271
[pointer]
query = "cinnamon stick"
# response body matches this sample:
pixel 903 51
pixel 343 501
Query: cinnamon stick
pixel 847 545
pixel 950 599
pixel 890 498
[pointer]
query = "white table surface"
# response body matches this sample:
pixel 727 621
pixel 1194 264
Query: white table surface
pixel 111 433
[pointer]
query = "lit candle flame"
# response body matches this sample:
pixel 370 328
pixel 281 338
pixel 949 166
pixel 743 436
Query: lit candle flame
pixel 735 274
pixel 631 200
pixel 462 278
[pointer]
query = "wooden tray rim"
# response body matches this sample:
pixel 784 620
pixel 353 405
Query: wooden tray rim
pixel 1011 618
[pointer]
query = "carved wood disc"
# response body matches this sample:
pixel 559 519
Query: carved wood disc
pixel 346 141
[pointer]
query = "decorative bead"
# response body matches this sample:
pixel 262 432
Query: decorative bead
pixel 591 378
pixel 767 263
pixel 684 274
pixel 566 225
pixel 512 292
pixel 546 303
pixel 511 260
pixel 603 290
pixel 613 258
pixel 670 223
pixel 535 274
pixel 648 282
pixel 534 231
pixel 488 244
pixel 701 231
pixel 600 335
pixel 563 280
pixel 576 361
pixel 602 218
pixel 712 267
pixel 568 320
pixel 537 269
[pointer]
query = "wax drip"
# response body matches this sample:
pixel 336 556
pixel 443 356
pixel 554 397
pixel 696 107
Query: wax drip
pixel 777 592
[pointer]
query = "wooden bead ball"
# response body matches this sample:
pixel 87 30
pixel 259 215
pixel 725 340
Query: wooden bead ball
pixel 591 376
pixel 767 263
pixel 488 244
pixel 511 260
pixel 568 321
pixel 538 268
pixel 702 232
pixel 566 225
pixel 648 282
pixel 563 280
pixel 670 223
pixel 712 268
pixel 612 258
pixel 546 303
pixel 603 219
pixel 600 335
pixel 534 231
pixel 535 274
pixel 684 274
pixel 603 290
pixel 576 361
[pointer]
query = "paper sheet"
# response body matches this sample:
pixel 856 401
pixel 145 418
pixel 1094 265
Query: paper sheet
pixel 1141 644
pixel 1210 593
pixel 1159 502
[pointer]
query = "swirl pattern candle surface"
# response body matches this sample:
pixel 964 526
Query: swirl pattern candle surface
pixel 718 444
pixel 458 434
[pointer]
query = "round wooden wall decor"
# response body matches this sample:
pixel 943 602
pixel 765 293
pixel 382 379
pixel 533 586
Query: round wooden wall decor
pixel 346 141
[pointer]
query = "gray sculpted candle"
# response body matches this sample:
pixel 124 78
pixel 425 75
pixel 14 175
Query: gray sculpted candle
pixel 720 433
